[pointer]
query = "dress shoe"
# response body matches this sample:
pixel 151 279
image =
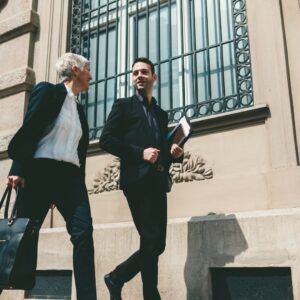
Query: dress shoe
pixel 114 288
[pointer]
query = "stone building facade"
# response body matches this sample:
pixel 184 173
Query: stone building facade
pixel 235 202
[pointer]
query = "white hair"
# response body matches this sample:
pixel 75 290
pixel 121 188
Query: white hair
pixel 65 63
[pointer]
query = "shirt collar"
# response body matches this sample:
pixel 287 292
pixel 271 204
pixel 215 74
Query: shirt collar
pixel 71 94
pixel 144 100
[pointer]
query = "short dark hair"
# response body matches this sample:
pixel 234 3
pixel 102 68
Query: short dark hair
pixel 146 61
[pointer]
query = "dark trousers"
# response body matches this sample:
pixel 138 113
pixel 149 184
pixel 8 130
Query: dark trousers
pixel 48 181
pixel 147 201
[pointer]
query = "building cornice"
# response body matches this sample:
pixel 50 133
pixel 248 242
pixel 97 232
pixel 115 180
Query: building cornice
pixel 27 21
pixel 16 81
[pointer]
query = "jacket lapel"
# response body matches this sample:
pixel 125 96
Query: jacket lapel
pixel 140 110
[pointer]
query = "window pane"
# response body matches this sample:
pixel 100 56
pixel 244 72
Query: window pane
pixel 197 47
pixel 164 86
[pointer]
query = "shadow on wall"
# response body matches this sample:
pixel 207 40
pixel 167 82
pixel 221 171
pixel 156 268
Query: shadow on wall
pixel 213 241
pixel 3 3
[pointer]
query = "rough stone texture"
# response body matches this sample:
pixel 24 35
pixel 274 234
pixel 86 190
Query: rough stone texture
pixel 20 23
pixel 194 245
pixel 11 120
pixel 11 81
pixel 8 51
pixel 13 7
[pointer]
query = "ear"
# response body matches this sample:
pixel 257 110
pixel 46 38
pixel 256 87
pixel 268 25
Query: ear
pixel 75 71
pixel 154 76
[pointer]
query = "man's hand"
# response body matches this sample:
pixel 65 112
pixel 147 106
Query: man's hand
pixel 14 181
pixel 150 155
pixel 176 151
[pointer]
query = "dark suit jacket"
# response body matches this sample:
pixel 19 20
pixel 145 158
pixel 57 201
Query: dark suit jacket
pixel 44 105
pixel 127 133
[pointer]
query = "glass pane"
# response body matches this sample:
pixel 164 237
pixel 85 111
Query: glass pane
pixel 91 106
pixel 189 80
pixel 229 69
pixel 202 76
pixel 226 17
pixel 200 27
pixel 213 22
pixel 93 54
pixel 164 33
pixel 100 105
pixel 102 55
pixel 215 72
pixel 175 83
pixel 164 86
pixel 153 49
pixel 111 57
pixel 174 30
pixel 110 97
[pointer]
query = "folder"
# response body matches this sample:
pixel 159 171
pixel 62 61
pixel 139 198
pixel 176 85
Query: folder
pixel 180 133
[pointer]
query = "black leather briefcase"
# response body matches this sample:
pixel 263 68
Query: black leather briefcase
pixel 18 248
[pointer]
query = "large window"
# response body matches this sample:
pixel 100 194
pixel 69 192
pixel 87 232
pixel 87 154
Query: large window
pixel 200 50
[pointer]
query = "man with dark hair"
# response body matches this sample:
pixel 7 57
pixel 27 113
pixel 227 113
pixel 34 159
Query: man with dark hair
pixel 136 131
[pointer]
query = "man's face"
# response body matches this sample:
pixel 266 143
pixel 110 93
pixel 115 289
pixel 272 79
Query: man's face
pixel 142 77
pixel 83 77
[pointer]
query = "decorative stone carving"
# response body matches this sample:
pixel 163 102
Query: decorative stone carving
pixel 109 180
pixel 192 168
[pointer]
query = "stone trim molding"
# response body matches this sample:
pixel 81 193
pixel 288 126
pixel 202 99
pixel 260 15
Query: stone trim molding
pixel 192 168
pixel 16 81
pixel 229 120
pixel 27 21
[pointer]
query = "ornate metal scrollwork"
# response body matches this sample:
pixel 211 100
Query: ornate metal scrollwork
pixel 76 27
pixel 192 168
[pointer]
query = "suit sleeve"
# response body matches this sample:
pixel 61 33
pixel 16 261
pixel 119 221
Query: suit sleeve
pixel 111 139
pixel 35 120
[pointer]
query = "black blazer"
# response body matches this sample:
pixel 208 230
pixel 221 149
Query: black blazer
pixel 127 133
pixel 44 105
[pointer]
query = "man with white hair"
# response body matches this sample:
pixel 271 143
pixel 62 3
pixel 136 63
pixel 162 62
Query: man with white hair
pixel 49 154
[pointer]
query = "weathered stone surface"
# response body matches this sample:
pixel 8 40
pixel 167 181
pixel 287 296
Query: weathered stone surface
pixel 19 79
pixel 27 21
pixel 194 245
pixel 4 141
pixel 9 49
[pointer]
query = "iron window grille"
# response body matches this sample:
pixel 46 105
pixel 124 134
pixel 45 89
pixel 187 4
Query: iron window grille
pixel 200 49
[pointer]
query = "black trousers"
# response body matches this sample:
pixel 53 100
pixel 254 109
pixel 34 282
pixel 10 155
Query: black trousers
pixel 147 201
pixel 48 181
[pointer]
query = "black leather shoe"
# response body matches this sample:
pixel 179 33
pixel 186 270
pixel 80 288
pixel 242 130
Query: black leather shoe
pixel 114 288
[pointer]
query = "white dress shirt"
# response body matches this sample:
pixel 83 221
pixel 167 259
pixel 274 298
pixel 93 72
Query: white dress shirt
pixel 61 142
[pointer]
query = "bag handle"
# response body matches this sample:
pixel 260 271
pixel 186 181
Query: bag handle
pixel 6 196
pixel 13 215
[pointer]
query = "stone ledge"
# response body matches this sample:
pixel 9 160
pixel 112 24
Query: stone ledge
pixel 18 80
pixel 230 120
pixel 21 23
pixel 234 119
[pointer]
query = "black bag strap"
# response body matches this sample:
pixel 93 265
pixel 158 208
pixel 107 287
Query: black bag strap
pixel 13 215
pixel 6 196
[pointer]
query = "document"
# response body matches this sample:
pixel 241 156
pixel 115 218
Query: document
pixel 180 133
